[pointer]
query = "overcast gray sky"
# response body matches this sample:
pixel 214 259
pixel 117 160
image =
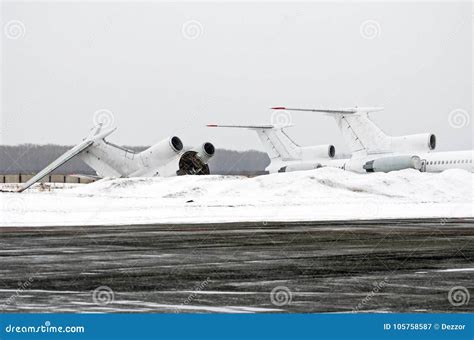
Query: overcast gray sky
pixel 171 68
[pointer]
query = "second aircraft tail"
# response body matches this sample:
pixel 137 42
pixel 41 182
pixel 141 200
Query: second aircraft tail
pixel 276 142
pixel 358 130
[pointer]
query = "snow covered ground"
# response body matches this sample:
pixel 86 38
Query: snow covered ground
pixel 323 194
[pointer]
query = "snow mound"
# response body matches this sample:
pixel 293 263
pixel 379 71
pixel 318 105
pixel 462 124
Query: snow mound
pixel 322 194
pixel 319 186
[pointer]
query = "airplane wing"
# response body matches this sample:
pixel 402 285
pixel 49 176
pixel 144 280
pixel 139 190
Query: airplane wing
pixel 96 134
pixel 334 111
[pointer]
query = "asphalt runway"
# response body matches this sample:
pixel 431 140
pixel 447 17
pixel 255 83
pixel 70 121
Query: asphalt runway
pixel 311 267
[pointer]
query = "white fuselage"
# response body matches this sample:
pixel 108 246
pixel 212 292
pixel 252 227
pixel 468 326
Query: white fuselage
pixel 110 160
pixel 430 161
pixel 440 161
pixel 375 151
pixel 166 158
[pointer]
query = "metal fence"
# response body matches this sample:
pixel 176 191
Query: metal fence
pixel 55 178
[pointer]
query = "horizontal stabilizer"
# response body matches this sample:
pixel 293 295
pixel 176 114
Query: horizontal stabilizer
pixel 350 110
pixel 252 127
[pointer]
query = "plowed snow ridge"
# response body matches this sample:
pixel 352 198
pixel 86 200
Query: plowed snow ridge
pixel 323 194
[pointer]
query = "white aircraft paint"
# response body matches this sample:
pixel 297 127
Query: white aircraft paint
pixel 285 155
pixel 166 158
pixel 375 151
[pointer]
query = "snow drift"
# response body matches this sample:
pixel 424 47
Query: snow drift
pixel 323 194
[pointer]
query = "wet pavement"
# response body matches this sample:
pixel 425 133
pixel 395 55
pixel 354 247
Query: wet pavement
pixel 304 267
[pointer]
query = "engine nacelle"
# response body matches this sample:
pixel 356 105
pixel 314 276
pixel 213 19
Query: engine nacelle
pixel 206 152
pixel 162 151
pixel 194 162
pixel 419 142
pixel 300 167
pixel 394 163
pixel 318 151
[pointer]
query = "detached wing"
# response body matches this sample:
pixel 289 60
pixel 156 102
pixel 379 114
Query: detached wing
pixel 57 163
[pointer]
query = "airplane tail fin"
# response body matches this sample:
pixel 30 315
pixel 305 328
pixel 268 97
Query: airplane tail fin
pixel 276 142
pixel 358 130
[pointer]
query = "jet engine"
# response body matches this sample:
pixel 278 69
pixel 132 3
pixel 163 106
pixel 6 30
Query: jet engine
pixel 300 167
pixel 394 163
pixel 319 151
pixel 194 162
pixel 421 142
pixel 161 151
